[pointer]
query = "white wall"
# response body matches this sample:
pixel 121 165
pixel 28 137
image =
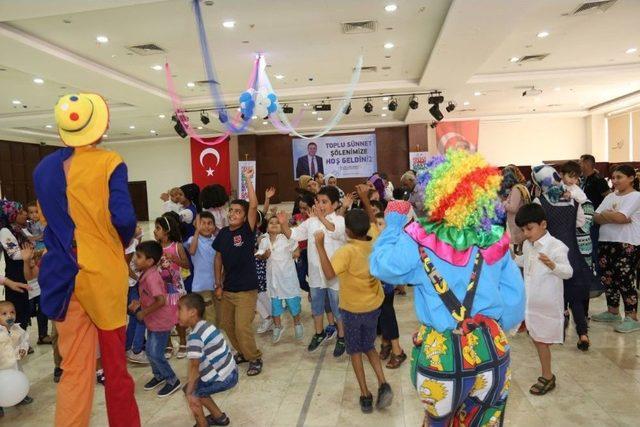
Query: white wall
pixel 163 164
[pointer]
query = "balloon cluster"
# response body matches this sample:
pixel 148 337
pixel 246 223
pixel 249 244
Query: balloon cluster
pixel 258 103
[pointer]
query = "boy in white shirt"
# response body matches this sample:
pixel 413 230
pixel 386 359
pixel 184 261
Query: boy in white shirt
pixel 325 219
pixel 570 173
pixel 546 264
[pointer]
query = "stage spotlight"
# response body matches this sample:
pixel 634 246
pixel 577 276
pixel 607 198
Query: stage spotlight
pixel 368 107
pixel 204 118
pixel 287 109
pixel 178 127
pixel 435 99
pixel 222 116
pixel 347 109
pixel 393 105
pixel 413 104
pixel 450 107
pixel 435 112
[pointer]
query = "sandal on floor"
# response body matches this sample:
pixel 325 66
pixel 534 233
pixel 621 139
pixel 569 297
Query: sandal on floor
pixel 182 352
pixel 396 361
pixel 45 340
pixel 385 351
pixel 168 352
pixel 222 420
pixel 543 386
pixel 255 368
pixel 583 345
pixel 239 358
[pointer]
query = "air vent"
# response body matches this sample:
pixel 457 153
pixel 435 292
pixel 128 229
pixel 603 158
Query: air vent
pixel 533 58
pixel 146 49
pixel 359 27
pixel 593 6
pixel 369 69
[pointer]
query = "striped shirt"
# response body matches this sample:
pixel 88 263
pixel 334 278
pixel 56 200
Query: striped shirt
pixel 207 344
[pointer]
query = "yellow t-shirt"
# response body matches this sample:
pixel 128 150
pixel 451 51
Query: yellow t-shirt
pixel 360 292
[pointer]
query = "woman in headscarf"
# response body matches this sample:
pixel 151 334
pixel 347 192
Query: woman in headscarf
pixel 514 195
pixel 13 218
pixel 332 181
pixel 564 217
pixel 468 289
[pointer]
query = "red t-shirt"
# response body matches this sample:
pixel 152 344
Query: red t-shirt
pixel 150 286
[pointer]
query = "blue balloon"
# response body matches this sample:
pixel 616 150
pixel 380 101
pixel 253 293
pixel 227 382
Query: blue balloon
pixel 272 107
pixel 245 96
pixel 272 97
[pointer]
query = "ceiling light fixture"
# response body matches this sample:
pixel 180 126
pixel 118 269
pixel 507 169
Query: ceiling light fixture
pixel 477 93
pixel 102 39
pixel 556 89
pixel 385 98
pixel 383 115
pixel 347 109
pixel 152 131
pixel 254 117
pixel 161 116
pixel 199 127
pixel 132 127
pixel 157 67
pixel 393 105
pixel 450 107
pixel 191 84
pixel 320 119
pixel 389 45
pixel 368 107
pixel 435 112
pixel 38 81
pixel 279 76
pixel 178 126
pixel 229 24
pixel 542 34
pixel 49 126
pixel 391 7
pixel 465 103
pixel 204 118
pixel 413 104
pixel 287 109
pixel 16 102
pixel 105 136
pixel 514 59
pixel 314 112
pixel 631 50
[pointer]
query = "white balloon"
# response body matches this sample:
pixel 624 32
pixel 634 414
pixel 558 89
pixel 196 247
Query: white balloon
pixel 261 111
pixel 14 386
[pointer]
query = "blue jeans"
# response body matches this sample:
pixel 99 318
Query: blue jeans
pixel 302 268
pixel 135 328
pixel 318 297
pixel 212 387
pixel 156 343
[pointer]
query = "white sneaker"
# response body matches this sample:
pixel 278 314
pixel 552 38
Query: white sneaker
pixel 137 358
pixel 265 326
pixel 299 332
pixel 277 334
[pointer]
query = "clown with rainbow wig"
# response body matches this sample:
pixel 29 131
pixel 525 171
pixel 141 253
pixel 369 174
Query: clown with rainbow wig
pixel 468 290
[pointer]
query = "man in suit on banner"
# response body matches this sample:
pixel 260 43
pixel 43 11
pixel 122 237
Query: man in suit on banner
pixel 310 164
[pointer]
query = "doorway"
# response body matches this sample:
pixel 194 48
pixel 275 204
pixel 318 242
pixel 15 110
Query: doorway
pixel 138 192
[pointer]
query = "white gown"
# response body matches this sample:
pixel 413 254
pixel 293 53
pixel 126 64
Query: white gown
pixel 282 277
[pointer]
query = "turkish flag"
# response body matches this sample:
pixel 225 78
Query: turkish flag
pixel 458 134
pixel 211 164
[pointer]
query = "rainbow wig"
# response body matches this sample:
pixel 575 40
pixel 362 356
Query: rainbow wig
pixel 461 191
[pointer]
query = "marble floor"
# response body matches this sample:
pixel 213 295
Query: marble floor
pixel 297 388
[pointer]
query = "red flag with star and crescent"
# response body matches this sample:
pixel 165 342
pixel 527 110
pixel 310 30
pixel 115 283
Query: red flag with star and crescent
pixel 211 164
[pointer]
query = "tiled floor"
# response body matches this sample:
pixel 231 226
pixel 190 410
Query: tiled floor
pixel 598 388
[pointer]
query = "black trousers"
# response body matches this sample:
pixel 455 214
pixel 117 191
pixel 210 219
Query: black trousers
pixel 43 321
pixel 580 311
pixel 387 322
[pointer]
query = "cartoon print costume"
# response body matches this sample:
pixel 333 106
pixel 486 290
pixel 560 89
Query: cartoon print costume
pixel 468 289
pixel 84 198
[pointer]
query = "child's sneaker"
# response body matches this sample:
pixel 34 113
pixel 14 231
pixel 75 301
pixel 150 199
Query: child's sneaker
pixel 137 357
pixel 385 396
pixel 222 420
pixel 266 325
pixel 168 352
pixel 299 331
pixel 627 325
pixel 100 378
pixel 339 348
pixel 182 352
pixel 316 341
pixel 169 389
pixel 57 374
pixel 606 316
pixel 277 334
pixel 153 383
pixel 366 404
pixel 330 331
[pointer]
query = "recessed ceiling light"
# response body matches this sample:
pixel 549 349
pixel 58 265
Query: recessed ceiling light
pixel 631 50
pixel 477 93
pixel 105 136
pixel 38 81
pixel 102 39
pixel 191 84
pixel 514 59
pixel 161 116
pixel 556 89
pixel 279 76
pixel 542 34
pixel 157 67
pixel 229 24
pixel 314 112
pixel 391 7
pixel 152 131
pixel 199 127
pixel 466 103
pixel 388 45
pixel 49 126
pixel 385 98
pixel 383 115
pixel 16 102
pixel 320 119
pixel 265 122
pixel 132 127
pixel 385 108
pixel 254 117
pixel 306 104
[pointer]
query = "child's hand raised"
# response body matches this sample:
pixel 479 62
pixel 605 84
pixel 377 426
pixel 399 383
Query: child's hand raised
pixel 363 191
pixel 282 217
pixel 270 192
pixel 27 251
pixel 347 201
pixel 164 197
pixel 319 236
pixel 547 261
pixel 247 173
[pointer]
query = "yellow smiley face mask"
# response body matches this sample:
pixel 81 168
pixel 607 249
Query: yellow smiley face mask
pixel 82 119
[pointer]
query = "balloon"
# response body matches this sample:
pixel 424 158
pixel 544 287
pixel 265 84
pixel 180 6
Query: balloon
pixel 14 386
pixel 245 96
pixel 261 111
pixel 272 97
pixel 272 108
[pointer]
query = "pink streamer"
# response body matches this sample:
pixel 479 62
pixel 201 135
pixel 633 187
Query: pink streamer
pixel 281 127
pixel 176 101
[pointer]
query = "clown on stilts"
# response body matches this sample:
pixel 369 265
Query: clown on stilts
pixel 83 194
pixel 468 290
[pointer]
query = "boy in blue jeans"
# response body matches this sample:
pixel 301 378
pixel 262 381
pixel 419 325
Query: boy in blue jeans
pixel 212 368
pixel 158 316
